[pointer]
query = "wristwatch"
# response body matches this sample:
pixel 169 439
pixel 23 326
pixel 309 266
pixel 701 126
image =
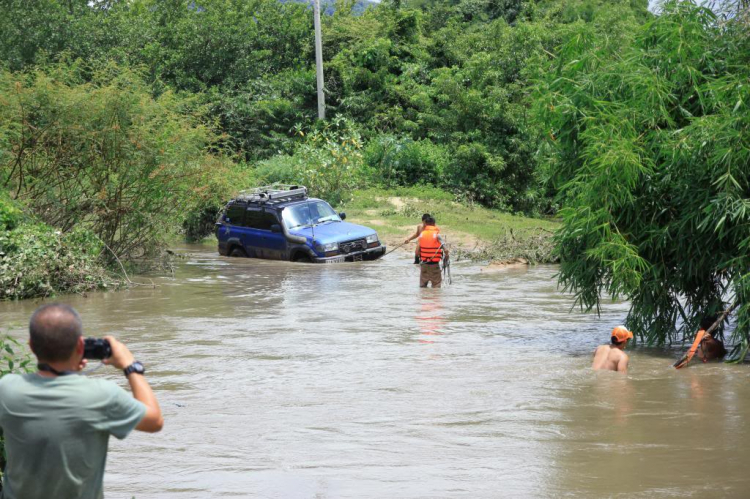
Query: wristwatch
pixel 135 367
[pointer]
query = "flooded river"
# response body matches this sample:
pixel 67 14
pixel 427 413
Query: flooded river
pixel 282 380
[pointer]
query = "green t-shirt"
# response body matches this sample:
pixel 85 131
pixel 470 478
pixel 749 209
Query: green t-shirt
pixel 56 433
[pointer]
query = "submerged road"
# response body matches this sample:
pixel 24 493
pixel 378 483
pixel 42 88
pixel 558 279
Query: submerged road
pixel 282 380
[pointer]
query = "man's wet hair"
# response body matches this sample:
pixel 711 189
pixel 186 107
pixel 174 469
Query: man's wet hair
pixel 430 221
pixel 54 330
pixel 614 341
pixel 707 322
pixel 426 216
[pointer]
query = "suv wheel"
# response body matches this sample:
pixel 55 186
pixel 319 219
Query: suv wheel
pixel 302 258
pixel 237 252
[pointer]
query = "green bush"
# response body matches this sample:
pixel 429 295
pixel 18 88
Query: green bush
pixel 37 260
pixel 402 161
pixel 100 152
pixel 259 118
pixel 328 161
pixel 10 214
pixel 217 181
pixel 475 174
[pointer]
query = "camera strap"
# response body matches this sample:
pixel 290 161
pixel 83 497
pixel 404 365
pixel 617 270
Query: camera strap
pixel 50 369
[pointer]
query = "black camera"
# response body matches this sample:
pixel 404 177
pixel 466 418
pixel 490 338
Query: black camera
pixel 96 348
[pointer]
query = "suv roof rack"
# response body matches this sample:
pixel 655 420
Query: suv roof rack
pixel 275 193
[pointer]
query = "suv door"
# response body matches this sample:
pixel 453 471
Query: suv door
pixel 274 243
pixel 252 237
pixel 259 237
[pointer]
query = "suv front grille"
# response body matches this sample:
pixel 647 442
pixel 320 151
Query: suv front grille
pixel 351 246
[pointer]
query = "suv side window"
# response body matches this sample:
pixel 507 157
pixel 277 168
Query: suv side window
pixel 257 219
pixel 234 214
pixel 269 219
pixel 252 218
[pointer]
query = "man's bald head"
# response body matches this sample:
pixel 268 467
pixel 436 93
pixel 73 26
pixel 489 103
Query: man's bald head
pixel 54 330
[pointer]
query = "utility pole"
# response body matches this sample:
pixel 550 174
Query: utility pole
pixel 319 61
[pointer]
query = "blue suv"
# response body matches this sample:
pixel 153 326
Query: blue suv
pixel 281 222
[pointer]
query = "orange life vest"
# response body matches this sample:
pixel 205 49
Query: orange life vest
pixel 430 247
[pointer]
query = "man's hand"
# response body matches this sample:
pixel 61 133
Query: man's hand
pixel 121 356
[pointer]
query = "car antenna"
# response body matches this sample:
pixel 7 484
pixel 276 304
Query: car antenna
pixel 312 225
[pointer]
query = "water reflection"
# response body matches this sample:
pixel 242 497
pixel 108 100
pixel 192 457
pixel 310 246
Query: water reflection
pixel 657 432
pixel 431 315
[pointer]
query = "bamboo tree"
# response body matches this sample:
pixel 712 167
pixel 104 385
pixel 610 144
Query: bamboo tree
pixel 652 158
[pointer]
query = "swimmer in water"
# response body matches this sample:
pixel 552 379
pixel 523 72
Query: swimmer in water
pixel 611 357
pixel 710 348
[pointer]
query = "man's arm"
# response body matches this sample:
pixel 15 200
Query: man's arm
pixel 122 358
pixel 622 364
pixel 153 420
pixel 415 235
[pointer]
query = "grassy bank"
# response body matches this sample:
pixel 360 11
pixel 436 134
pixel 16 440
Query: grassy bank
pixel 472 231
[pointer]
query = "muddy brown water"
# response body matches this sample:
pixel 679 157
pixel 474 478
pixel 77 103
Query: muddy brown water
pixel 282 380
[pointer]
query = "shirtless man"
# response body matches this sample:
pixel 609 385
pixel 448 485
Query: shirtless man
pixel 416 234
pixel 710 348
pixel 611 357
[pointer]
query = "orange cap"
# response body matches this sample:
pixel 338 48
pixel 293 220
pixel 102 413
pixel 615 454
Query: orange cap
pixel 622 334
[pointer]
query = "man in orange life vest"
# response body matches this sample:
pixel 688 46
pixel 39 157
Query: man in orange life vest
pixel 416 234
pixel 431 252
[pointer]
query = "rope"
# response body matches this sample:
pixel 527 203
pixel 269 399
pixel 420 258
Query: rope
pixel 394 249
pixel 447 270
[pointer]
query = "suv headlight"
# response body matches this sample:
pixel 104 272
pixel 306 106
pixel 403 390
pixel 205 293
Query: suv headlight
pixel 325 248
pixel 373 238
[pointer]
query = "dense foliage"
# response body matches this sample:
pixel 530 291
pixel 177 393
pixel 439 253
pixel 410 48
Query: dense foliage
pixel 447 83
pixel 653 161
pixel 101 154
pixel 328 161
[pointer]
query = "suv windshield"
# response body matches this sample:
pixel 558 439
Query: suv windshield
pixel 310 213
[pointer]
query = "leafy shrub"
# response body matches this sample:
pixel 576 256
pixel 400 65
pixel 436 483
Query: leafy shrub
pixel 328 161
pixel 101 153
pixel 259 118
pixel 37 260
pixel 217 181
pixel 475 174
pixel 14 358
pixel 403 161
pixel 10 214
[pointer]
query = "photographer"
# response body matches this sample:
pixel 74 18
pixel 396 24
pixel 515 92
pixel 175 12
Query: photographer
pixel 57 423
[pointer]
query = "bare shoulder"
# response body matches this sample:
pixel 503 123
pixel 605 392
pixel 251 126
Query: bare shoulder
pixel 601 348
pixel 601 353
pixel 619 354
